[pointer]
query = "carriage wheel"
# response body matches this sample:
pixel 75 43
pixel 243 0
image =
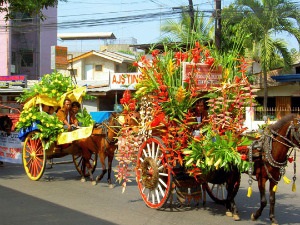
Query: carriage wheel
pixel 80 163
pixel 218 192
pixel 153 173
pixel 34 157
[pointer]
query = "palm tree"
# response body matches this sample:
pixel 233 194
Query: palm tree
pixel 181 31
pixel 263 20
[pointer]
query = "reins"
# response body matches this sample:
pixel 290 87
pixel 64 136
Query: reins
pixel 265 144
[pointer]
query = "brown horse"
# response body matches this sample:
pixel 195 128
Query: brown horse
pixel 5 124
pixel 102 142
pixel 270 155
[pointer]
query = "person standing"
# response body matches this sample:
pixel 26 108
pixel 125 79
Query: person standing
pixel 201 116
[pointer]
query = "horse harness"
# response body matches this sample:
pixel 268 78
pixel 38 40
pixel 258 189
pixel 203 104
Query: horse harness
pixel 264 147
pixel 104 126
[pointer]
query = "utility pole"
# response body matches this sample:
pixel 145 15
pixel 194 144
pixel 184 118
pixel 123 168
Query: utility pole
pixel 218 26
pixel 192 14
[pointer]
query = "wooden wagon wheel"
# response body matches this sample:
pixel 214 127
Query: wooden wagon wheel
pixel 34 157
pixel 218 191
pixel 153 173
pixel 80 164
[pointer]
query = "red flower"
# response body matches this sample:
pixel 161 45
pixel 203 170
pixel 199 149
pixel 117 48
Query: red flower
pixel 210 61
pixel 244 157
pixel 155 52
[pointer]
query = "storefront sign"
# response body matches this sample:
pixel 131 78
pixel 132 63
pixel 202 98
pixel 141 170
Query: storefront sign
pixel 13 81
pixel 10 148
pixel 205 76
pixel 123 81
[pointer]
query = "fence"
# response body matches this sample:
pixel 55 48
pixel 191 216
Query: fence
pixel 273 113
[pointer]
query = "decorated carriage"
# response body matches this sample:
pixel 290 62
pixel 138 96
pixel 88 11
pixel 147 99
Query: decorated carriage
pixel 158 138
pixel 168 154
pixel 42 132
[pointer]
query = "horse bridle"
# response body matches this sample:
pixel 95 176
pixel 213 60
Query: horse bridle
pixel 267 148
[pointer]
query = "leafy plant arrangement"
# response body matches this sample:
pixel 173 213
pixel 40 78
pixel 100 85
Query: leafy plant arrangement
pixel 49 90
pixel 50 127
pixel 52 85
pixel 84 118
pixel 218 147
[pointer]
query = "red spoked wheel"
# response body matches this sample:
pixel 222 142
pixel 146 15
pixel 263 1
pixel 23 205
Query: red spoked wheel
pixel 153 173
pixel 80 163
pixel 34 157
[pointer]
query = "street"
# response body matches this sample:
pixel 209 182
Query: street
pixel 60 198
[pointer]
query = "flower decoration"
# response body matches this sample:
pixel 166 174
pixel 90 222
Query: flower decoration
pixel 171 101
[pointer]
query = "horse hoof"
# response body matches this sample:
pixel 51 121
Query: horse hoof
pixel 83 180
pixel 236 217
pixel 253 217
pixel 229 214
pixel 94 183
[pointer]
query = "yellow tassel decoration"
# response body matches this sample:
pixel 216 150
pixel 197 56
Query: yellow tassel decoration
pixel 249 192
pixel 275 188
pixel 286 180
pixel 294 187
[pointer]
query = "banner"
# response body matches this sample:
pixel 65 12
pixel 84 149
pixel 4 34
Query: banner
pixel 10 148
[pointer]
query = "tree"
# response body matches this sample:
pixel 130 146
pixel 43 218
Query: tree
pixel 182 32
pixel 31 7
pixel 263 20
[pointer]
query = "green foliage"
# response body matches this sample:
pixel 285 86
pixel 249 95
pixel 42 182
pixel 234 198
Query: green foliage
pixel 84 118
pixel 49 125
pixel 31 7
pixel 53 85
pixel 216 151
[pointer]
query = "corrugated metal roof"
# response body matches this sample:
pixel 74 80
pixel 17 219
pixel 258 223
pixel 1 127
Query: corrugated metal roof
pixel 116 57
pixel 86 36
pixel 286 78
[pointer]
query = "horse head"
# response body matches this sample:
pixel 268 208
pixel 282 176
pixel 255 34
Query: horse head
pixel 6 124
pixel 132 118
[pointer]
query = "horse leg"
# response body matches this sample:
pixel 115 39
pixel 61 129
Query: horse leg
pixel 104 170
pixel 86 155
pixel 233 184
pixel 110 159
pixel 272 205
pixel 263 200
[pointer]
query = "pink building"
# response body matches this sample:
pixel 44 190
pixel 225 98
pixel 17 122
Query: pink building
pixel 26 44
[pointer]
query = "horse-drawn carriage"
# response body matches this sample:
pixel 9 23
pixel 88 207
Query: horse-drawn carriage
pixel 168 157
pixel 44 136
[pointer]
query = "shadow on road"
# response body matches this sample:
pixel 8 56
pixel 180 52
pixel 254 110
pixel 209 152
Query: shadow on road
pixel 20 209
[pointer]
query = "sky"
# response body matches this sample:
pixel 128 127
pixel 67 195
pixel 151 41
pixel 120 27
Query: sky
pixel 131 21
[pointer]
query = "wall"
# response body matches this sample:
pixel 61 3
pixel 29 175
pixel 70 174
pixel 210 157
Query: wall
pixel 4 47
pixel 48 38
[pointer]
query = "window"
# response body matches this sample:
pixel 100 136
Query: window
pixel 27 58
pixel 117 69
pixel 98 68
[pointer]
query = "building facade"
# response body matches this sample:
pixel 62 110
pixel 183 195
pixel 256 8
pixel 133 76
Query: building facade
pixel 26 44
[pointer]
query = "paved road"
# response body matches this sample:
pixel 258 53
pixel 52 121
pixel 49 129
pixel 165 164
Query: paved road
pixel 60 198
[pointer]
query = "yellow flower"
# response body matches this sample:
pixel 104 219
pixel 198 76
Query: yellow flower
pixel 53 91
pixel 170 67
pixel 180 95
pixel 44 89
pixel 34 117
pixel 47 124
